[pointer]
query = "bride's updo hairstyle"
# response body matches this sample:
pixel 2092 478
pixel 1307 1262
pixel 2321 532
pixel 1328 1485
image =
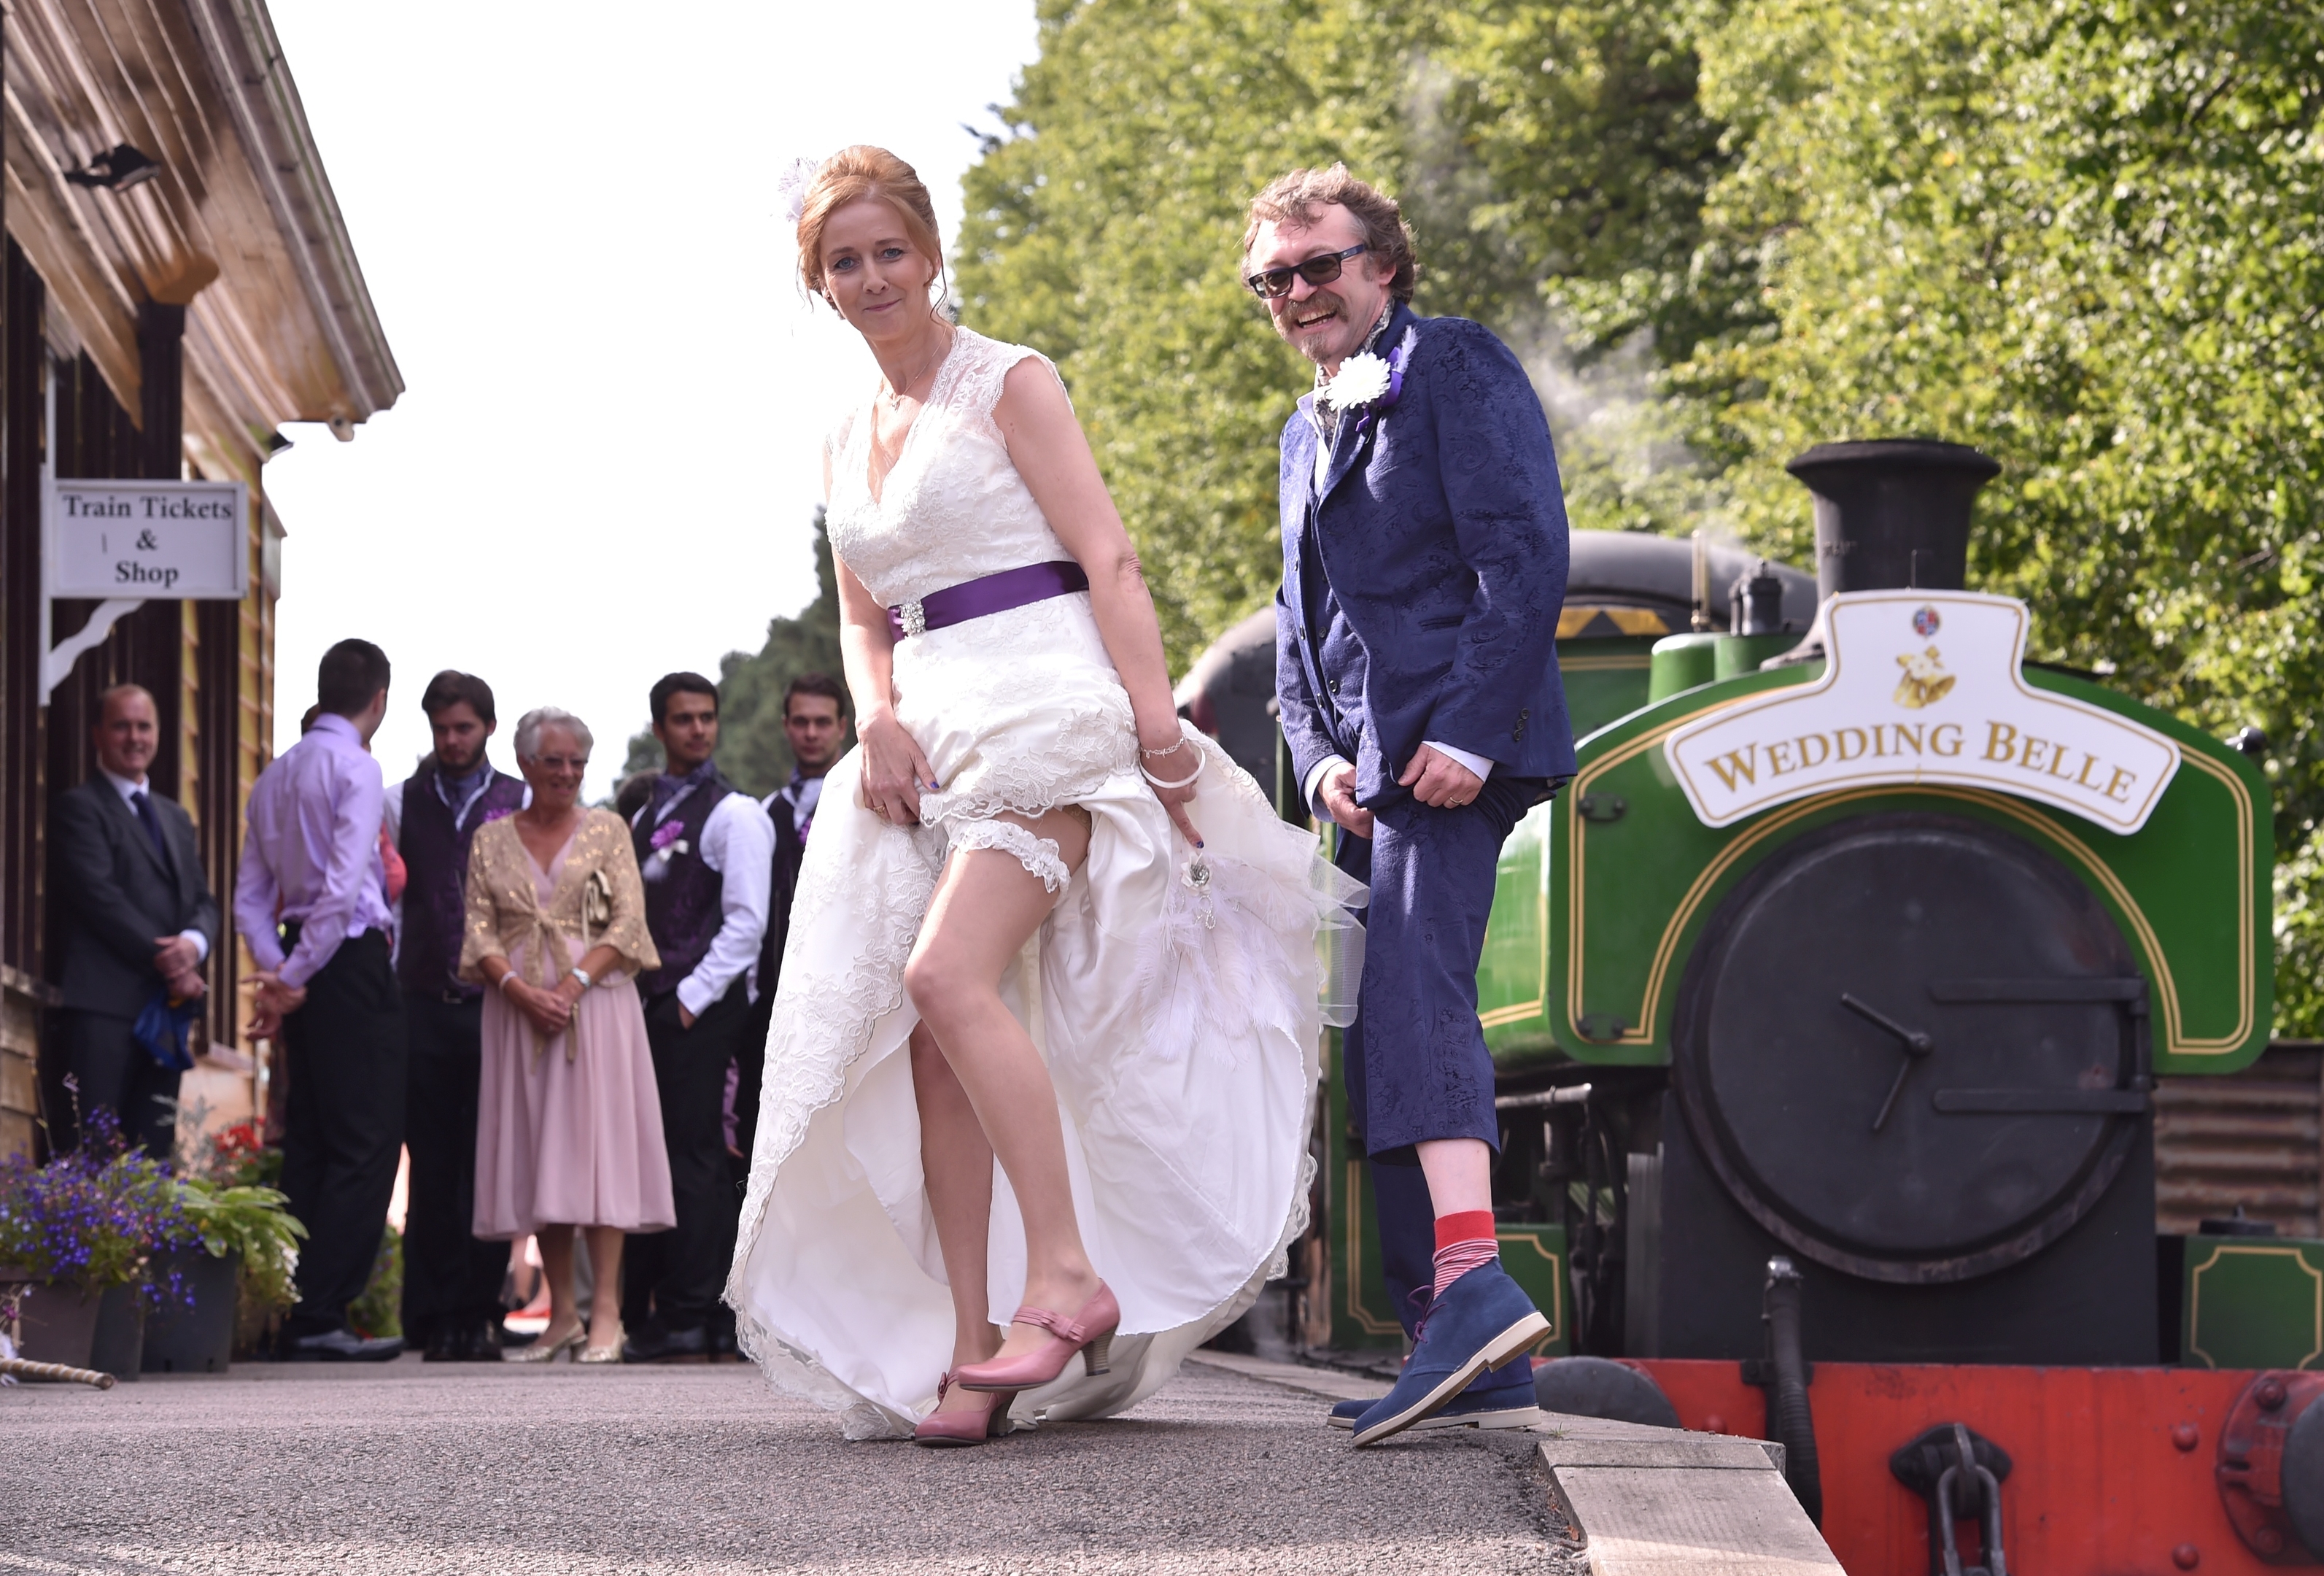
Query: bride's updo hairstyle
pixel 851 175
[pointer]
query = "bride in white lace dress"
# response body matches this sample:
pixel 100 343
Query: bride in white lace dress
pixel 1009 942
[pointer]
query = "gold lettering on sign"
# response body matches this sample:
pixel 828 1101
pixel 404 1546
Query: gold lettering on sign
pixel 2117 786
pixel 1939 744
pixel 1908 733
pixel 1742 763
pixel 1823 750
pixel 1779 759
pixel 2000 741
pixel 1842 736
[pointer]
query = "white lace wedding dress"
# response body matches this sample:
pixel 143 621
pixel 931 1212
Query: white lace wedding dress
pixel 1180 1021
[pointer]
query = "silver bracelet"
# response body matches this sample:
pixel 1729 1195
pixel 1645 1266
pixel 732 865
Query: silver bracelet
pixel 582 975
pixel 1166 750
pixel 506 975
pixel 1186 782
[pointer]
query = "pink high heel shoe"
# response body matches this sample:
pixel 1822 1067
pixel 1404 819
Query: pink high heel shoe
pixel 1089 1333
pixel 945 1431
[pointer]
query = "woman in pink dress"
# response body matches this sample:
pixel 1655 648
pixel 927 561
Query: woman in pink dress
pixel 568 1127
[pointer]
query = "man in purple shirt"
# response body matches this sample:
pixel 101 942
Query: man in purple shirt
pixel 311 904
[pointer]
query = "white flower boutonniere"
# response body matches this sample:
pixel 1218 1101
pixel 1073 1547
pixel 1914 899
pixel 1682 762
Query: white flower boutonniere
pixel 1361 379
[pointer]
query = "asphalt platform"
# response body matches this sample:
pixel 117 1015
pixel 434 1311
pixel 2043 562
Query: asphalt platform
pixel 673 1471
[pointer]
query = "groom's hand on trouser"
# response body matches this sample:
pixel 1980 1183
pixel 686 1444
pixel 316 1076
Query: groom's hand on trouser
pixel 1440 780
pixel 1337 793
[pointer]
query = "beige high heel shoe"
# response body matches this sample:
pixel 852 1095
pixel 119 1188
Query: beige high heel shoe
pixel 545 1350
pixel 603 1354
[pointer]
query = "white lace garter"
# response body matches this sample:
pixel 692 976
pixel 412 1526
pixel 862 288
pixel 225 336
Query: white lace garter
pixel 1042 856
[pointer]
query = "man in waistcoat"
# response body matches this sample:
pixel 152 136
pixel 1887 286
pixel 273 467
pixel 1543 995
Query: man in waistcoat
pixel 705 852
pixel 815 725
pixel 1424 559
pixel 451 1282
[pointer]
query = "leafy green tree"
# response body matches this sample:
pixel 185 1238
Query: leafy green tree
pixel 1105 229
pixel 752 750
pixel 2085 239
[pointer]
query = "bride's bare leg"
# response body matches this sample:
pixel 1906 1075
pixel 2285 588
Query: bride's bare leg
pixel 957 1160
pixel 985 907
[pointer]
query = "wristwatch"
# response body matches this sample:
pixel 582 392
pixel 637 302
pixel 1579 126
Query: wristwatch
pixel 582 975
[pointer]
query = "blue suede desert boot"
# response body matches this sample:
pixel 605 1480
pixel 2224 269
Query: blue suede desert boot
pixel 1500 1397
pixel 1483 1319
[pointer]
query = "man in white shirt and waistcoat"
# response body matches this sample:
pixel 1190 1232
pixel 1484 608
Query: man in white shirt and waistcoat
pixel 705 852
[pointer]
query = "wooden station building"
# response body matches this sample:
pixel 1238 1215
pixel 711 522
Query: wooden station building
pixel 178 283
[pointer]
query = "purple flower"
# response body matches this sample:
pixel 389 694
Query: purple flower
pixel 498 812
pixel 666 833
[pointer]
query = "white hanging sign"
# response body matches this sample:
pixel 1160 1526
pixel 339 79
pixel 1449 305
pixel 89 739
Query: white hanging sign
pixel 169 540
pixel 1921 687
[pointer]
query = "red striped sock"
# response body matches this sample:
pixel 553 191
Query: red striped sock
pixel 1464 1241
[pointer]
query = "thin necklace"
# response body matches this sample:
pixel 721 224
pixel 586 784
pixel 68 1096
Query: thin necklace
pixel 897 396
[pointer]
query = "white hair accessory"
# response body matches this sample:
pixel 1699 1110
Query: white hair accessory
pixel 791 187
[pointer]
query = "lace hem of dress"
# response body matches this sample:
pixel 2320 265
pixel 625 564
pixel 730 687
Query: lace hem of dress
pixel 1040 855
pixel 808 1054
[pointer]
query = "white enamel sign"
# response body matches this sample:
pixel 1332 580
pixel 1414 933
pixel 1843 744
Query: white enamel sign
pixel 1921 687
pixel 148 538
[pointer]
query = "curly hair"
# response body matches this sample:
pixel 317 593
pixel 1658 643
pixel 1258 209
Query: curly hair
pixel 1300 198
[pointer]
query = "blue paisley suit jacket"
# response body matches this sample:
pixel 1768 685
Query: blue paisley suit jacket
pixel 1440 529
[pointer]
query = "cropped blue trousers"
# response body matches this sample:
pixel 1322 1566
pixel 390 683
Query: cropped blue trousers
pixel 1414 1059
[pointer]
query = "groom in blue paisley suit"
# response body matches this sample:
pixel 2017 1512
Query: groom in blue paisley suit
pixel 1424 569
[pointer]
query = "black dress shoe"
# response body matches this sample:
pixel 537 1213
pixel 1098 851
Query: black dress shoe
pixel 444 1346
pixel 666 1345
pixel 723 1349
pixel 342 1346
pixel 481 1342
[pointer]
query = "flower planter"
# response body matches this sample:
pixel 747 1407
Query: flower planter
pixel 56 1324
pixel 197 1339
pixel 118 1346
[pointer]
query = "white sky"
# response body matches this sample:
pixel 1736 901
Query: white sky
pixel 605 464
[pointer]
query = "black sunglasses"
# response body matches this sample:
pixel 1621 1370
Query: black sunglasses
pixel 1275 283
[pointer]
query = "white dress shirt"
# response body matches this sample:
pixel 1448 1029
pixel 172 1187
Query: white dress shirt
pixel 312 852
pixel 738 842
pixel 128 790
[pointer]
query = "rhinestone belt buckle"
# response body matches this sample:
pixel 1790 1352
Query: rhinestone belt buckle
pixel 914 617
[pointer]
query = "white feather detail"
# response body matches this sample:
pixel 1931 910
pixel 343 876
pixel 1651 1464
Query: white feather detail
pixel 791 184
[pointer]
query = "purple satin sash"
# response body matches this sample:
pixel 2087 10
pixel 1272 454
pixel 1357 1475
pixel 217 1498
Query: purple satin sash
pixel 1016 587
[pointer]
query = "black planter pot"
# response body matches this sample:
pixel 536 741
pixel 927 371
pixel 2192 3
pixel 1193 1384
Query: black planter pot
pixel 200 1339
pixel 118 1346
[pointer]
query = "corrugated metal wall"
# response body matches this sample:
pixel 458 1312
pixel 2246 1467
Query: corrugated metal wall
pixel 2248 1138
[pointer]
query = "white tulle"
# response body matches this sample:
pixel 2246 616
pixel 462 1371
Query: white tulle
pixel 1181 1018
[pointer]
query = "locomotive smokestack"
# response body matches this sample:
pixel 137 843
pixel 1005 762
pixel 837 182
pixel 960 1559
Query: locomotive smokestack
pixel 1891 513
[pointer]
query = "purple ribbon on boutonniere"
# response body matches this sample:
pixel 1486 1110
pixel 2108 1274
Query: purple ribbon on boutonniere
pixel 499 812
pixel 1397 360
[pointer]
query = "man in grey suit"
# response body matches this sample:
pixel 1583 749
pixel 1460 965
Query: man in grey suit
pixel 138 922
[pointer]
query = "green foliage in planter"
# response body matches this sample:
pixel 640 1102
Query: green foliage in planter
pixel 253 1222
pixel 380 1310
